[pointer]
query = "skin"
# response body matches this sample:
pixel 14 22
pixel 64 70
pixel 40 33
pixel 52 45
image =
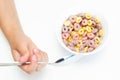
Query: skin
pixel 22 47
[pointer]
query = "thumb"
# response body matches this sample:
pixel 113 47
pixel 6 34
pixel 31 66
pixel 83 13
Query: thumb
pixel 24 56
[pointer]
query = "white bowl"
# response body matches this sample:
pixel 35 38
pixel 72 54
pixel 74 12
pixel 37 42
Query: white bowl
pixel 104 26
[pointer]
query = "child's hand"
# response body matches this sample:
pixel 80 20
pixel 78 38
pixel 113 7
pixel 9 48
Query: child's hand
pixel 24 50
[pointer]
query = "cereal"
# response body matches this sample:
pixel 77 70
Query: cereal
pixel 86 49
pixel 75 42
pixel 76 26
pixel 90 49
pixel 95 30
pixel 77 49
pixel 88 29
pixel 88 16
pixel 97 20
pixel 67 23
pixel 65 29
pixel 65 35
pixel 89 22
pixel 71 26
pixel 90 35
pixel 100 32
pixel 78 45
pixel 91 43
pixel 76 36
pixel 93 23
pixel 97 40
pixel 72 18
pixel 84 22
pixel 69 29
pixel 82 33
pixel 78 20
pixel 69 39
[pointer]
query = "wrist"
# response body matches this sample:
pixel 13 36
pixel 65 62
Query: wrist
pixel 12 32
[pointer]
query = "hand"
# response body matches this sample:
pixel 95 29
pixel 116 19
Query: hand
pixel 24 50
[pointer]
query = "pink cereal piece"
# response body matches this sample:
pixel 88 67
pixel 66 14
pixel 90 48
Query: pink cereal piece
pixel 99 26
pixel 65 35
pixel 86 43
pixel 84 22
pixel 65 42
pixel 84 34
pixel 96 45
pixel 76 26
pixel 70 44
pixel 72 19
pixel 82 47
pixel 90 49
pixel 76 36
pixel 71 47
pixel 91 43
pixel 95 30
pixel 84 38
pixel 64 29
pixel 75 42
pixel 91 35
pixel 82 15
pixel 93 19
pixel 93 23
pixel 82 51
pixel 69 30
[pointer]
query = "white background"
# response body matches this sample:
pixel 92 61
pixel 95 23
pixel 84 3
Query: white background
pixel 38 19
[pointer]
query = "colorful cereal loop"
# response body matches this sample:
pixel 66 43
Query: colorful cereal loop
pixel 78 20
pixel 88 16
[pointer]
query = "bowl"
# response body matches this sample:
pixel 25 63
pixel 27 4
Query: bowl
pixel 104 27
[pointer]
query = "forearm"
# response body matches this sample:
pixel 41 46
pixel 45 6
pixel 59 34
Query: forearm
pixel 9 21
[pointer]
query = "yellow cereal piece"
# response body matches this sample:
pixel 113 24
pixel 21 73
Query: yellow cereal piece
pixel 78 19
pixel 78 45
pixel 69 39
pixel 92 28
pixel 71 26
pixel 86 49
pixel 88 29
pixel 100 33
pixel 77 49
pixel 72 33
pixel 97 40
pixel 89 22
pixel 84 28
pixel 67 23
pixel 81 31
pixel 80 37
pixel 88 16
pixel 97 20
pixel 80 42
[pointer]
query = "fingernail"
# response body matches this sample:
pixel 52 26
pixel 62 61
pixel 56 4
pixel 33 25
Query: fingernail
pixel 36 50
pixel 34 58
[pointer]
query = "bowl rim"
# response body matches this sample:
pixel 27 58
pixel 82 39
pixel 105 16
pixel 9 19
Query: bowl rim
pixel 105 30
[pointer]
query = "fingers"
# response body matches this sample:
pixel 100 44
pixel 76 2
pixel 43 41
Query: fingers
pixel 32 66
pixel 32 58
pixel 42 57
pixel 16 55
pixel 33 55
pixel 24 54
